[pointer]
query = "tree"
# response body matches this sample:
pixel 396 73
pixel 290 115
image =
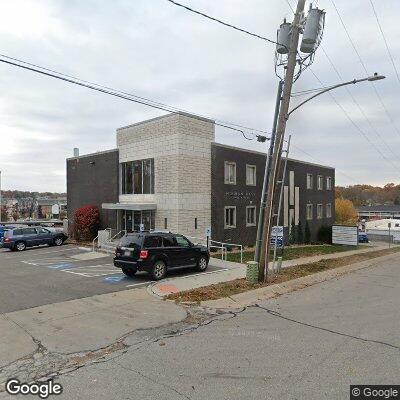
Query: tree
pixel 300 236
pixel 345 213
pixel 86 222
pixel 4 213
pixel 293 233
pixel 307 234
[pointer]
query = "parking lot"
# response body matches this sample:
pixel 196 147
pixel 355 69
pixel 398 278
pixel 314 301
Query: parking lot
pixel 46 275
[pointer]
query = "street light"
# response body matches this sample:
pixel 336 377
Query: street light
pixel 372 78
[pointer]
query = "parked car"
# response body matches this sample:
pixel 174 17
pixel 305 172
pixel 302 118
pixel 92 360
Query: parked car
pixel 362 237
pixel 21 238
pixel 157 253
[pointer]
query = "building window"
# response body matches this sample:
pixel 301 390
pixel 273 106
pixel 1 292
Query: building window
pixel 165 223
pixel 319 211
pixel 329 210
pixel 309 181
pixel 230 173
pixel 320 182
pixel 250 215
pixel 328 183
pixel 195 223
pixel 251 175
pixel 137 177
pixel 309 211
pixel 230 217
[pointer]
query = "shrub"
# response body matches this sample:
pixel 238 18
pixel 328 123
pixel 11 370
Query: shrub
pixel 86 222
pixel 307 234
pixel 300 236
pixel 325 234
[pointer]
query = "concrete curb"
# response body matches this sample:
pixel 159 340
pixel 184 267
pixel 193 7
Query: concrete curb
pixel 252 297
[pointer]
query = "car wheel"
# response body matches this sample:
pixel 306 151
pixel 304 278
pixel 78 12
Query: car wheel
pixel 202 264
pixel 129 272
pixel 58 241
pixel 159 270
pixel 20 246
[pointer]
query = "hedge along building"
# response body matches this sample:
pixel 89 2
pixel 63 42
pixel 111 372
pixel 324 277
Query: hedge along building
pixel 169 173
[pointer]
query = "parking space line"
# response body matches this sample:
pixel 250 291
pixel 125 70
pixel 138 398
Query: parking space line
pixel 39 253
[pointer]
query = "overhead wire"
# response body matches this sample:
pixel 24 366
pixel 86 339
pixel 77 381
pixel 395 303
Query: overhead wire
pixel 385 41
pixel 355 125
pixel 379 97
pixel 121 94
pixel 222 22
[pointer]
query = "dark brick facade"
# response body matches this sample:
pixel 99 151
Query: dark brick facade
pixel 93 179
pixel 241 195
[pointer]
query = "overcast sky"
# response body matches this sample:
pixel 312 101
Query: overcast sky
pixel 163 52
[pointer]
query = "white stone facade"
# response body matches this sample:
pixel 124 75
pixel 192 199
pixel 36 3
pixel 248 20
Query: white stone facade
pixel 181 147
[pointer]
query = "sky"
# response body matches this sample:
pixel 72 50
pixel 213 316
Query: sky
pixel 159 51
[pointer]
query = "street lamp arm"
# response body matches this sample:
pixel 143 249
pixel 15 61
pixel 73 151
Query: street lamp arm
pixel 354 81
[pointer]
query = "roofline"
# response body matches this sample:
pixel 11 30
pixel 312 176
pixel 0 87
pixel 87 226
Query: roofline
pixel 265 154
pixel 93 154
pixel 166 116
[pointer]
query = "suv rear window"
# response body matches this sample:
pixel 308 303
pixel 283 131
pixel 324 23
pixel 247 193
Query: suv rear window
pixel 15 232
pixel 152 241
pixel 131 241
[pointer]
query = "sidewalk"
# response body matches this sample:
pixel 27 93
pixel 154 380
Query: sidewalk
pixel 83 326
pixel 232 271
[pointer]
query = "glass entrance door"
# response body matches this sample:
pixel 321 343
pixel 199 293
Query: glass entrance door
pixel 131 220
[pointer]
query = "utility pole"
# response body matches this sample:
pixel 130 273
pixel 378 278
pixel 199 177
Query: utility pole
pixel 267 171
pixel 280 134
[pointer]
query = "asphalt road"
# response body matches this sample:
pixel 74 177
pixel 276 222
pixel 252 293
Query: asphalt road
pixel 310 344
pixel 46 275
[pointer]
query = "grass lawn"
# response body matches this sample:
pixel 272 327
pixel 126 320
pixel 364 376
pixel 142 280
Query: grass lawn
pixel 290 253
pixel 226 289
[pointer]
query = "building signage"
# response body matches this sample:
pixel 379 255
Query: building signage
pixel 345 235
pixel 277 234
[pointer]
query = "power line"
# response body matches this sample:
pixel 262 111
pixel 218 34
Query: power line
pixel 384 39
pixel 222 22
pixel 124 95
pixel 353 98
pixel 358 104
pixel 170 108
pixel 354 123
pixel 365 69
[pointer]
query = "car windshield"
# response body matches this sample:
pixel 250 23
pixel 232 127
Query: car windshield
pixel 131 240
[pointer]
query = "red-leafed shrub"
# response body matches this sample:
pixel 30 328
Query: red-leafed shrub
pixel 86 222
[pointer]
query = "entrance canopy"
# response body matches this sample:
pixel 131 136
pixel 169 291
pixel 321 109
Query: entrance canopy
pixel 129 206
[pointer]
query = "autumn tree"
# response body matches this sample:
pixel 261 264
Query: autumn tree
pixel 345 213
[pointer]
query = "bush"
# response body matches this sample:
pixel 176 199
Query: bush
pixel 325 234
pixel 300 236
pixel 307 234
pixel 86 222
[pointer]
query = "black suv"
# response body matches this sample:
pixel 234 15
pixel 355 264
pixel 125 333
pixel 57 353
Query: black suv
pixel 158 252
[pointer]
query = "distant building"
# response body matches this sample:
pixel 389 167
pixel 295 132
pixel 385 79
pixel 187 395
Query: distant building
pixel 45 207
pixel 378 212
pixel 168 173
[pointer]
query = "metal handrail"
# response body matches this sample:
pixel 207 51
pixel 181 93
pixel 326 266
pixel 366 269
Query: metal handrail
pixel 222 247
pixel 97 237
